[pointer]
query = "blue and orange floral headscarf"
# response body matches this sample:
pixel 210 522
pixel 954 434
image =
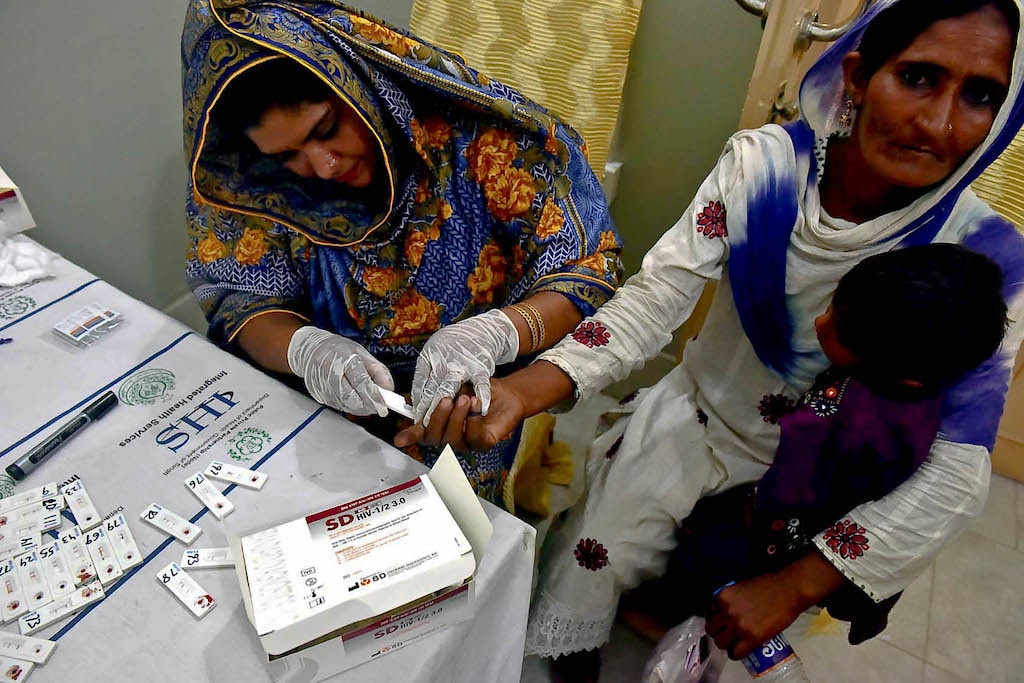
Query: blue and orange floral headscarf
pixel 488 197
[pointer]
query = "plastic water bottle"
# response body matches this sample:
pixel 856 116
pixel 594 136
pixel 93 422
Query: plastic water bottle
pixel 775 662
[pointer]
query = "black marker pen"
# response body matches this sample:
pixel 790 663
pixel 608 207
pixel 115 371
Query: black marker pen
pixel 90 413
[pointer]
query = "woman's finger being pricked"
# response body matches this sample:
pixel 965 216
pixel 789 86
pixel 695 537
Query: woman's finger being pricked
pixel 455 431
pixel 439 422
pixel 410 435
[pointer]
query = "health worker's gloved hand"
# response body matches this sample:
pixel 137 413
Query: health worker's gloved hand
pixel 467 351
pixel 339 372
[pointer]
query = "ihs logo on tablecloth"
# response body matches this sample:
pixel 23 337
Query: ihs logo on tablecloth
pixel 248 443
pixel 15 306
pixel 6 486
pixel 147 387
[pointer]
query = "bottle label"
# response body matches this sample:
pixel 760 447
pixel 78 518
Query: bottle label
pixel 767 657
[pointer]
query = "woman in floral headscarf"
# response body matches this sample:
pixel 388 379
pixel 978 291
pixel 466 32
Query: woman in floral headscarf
pixel 362 205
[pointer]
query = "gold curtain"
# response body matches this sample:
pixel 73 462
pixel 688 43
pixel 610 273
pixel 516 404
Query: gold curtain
pixel 1002 186
pixel 568 55
pixel 1002 183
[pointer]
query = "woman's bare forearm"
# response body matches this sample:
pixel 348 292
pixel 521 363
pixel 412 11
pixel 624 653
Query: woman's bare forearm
pixel 265 339
pixel 539 387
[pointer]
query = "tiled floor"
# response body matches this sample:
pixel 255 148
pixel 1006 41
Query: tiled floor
pixel 960 622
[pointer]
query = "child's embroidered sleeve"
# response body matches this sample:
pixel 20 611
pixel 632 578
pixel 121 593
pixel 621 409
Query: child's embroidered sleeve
pixel 882 546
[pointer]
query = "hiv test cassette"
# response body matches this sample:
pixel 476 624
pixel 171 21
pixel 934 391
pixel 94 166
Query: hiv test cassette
pixel 56 570
pixel 102 555
pixel 31 519
pixel 14 603
pixel 26 648
pixel 208 495
pixel 81 506
pixel 250 479
pixel 207 558
pixel 125 548
pixel 36 495
pixel 77 557
pixel 30 574
pixel 185 588
pixel 15 670
pixel 170 523
pixel 60 609
pixel 16 546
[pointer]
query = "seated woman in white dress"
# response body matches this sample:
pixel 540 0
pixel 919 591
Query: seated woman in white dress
pixel 897 119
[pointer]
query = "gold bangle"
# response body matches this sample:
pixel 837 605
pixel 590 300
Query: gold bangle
pixel 530 323
pixel 541 331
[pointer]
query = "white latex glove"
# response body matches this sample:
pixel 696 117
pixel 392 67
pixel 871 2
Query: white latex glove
pixel 467 351
pixel 339 372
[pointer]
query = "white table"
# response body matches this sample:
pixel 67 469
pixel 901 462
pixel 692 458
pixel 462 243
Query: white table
pixel 142 451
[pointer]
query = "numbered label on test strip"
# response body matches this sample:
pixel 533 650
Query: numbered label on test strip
pixel 14 670
pixel 56 570
pixel 14 603
pixel 30 573
pixel 250 479
pixel 26 648
pixel 170 523
pixel 36 495
pixel 125 548
pixel 78 558
pixel 207 558
pixel 31 519
pixel 185 588
pixel 208 495
pixel 17 546
pixel 81 506
pixel 60 609
pixel 102 555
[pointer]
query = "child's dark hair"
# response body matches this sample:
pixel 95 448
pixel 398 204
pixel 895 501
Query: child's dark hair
pixel 896 27
pixel 279 82
pixel 929 313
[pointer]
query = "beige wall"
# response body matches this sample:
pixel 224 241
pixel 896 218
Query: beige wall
pixel 685 88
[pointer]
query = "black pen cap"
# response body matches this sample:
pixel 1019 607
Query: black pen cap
pixel 99 408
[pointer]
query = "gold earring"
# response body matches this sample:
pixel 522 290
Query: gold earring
pixel 846 119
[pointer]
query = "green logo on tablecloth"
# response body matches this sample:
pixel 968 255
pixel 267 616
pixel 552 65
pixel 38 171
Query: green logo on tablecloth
pixel 147 387
pixel 247 443
pixel 15 306
pixel 6 485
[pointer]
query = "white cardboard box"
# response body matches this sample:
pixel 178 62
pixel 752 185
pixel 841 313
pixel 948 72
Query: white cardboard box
pixel 356 581
pixel 14 215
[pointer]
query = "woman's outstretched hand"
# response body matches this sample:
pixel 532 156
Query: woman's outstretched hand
pixel 460 424
pixel 466 352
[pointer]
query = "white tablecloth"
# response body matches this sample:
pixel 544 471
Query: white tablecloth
pixel 185 403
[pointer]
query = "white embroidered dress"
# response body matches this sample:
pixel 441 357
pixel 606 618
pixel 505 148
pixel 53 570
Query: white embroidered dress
pixel 708 425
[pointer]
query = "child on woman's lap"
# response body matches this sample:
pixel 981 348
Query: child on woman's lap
pixel 902 327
